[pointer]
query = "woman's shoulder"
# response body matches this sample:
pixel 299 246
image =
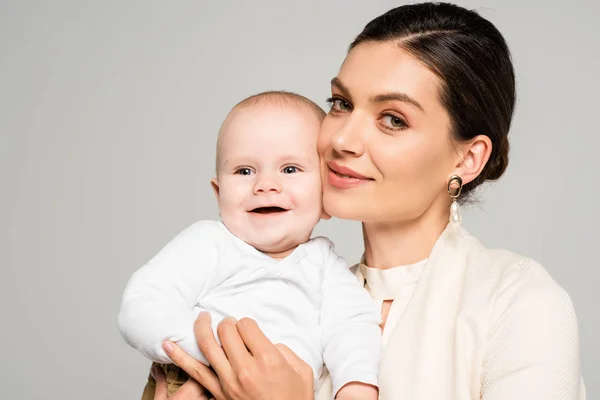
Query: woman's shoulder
pixel 522 283
pixel 505 265
pixel 498 277
pixel 519 273
pixel 531 326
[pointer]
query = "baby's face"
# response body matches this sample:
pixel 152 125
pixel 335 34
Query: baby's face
pixel 269 182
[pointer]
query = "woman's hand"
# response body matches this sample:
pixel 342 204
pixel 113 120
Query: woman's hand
pixel 191 390
pixel 247 367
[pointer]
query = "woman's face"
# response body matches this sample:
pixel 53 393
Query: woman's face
pixel 385 144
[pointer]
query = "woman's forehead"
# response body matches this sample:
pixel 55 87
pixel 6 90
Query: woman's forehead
pixel 375 68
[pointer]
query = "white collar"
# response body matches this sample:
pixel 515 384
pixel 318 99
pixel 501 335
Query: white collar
pixel 389 284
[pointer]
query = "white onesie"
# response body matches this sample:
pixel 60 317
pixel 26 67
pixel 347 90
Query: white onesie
pixel 309 301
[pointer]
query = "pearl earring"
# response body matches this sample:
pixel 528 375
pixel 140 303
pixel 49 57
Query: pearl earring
pixel 455 185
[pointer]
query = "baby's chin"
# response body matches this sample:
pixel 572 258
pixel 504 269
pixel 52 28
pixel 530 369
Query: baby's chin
pixel 276 246
pixel 272 240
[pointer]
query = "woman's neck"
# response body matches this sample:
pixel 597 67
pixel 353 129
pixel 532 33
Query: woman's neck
pixel 388 245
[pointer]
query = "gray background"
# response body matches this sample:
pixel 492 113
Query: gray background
pixel 108 119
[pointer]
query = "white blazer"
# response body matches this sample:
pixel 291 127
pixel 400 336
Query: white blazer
pixel 482 324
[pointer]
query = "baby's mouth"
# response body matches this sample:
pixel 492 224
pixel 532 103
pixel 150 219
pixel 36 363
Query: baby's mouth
pixel 268 210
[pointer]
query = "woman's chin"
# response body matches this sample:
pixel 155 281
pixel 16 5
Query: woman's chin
pixel 343 207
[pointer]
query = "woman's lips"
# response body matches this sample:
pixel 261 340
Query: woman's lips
pixel 342 177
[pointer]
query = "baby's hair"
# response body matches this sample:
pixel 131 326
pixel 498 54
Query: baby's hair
pixel 282 98
pixel 271 98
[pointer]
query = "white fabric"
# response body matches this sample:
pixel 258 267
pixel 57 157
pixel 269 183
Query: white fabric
pixel 397 284
pixel 481 325
pixel 309 301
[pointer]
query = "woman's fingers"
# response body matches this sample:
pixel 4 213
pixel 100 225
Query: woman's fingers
pixel 160 393
pixel 198 371
pixel 210 347
pixel 257 369
pixel 234 346
pixel 191 390
pixel 297 364
pixel 254 338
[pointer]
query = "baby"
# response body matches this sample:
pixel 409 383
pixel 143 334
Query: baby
pixel 259 260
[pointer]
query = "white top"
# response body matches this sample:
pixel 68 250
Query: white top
pixel 397 284
pixel 481 325
pixel 309 301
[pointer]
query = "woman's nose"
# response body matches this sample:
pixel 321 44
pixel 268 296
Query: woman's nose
pixel 348 139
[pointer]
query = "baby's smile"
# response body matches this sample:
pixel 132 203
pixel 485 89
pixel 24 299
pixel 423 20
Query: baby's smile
pixel 268 210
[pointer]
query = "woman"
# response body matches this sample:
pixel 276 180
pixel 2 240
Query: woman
pixel 420 113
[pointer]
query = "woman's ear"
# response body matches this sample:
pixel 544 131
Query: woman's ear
pixel 475 155
pixel 215 185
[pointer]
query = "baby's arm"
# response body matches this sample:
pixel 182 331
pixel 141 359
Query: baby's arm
pixel 351 334
pixel 159 298
pixel 357 391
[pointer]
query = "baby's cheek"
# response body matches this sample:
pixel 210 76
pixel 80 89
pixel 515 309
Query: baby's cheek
pixel 314 196
pixel 306 193
pixel 230 204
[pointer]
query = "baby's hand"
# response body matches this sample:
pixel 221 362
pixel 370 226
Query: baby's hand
pixel 357 391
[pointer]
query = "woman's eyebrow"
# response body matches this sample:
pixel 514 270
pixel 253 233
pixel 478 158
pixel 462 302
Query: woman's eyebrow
pixel 403 97
pixel 341 87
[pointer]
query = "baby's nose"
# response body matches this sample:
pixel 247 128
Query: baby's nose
pixel 266 183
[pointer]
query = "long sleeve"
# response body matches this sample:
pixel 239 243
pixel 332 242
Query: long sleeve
pixel 533 348
pixel 159 298
pixel 350 324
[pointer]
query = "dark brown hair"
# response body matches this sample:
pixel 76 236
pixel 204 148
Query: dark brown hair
pixel 473 62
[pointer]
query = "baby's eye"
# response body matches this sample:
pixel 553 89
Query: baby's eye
pixel 290 169
pixel 244 171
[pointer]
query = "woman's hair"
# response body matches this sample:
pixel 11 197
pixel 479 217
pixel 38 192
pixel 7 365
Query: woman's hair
pixel 473 62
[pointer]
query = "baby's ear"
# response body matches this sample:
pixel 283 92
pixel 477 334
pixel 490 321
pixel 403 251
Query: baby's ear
pixel 215 185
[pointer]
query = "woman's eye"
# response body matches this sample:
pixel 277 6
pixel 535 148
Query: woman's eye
pixel 290 170
pixel 339 104
pixel 244 171
pixel 393 122
pixel 343 105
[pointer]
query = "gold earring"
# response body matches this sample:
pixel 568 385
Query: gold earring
pixel 455 185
